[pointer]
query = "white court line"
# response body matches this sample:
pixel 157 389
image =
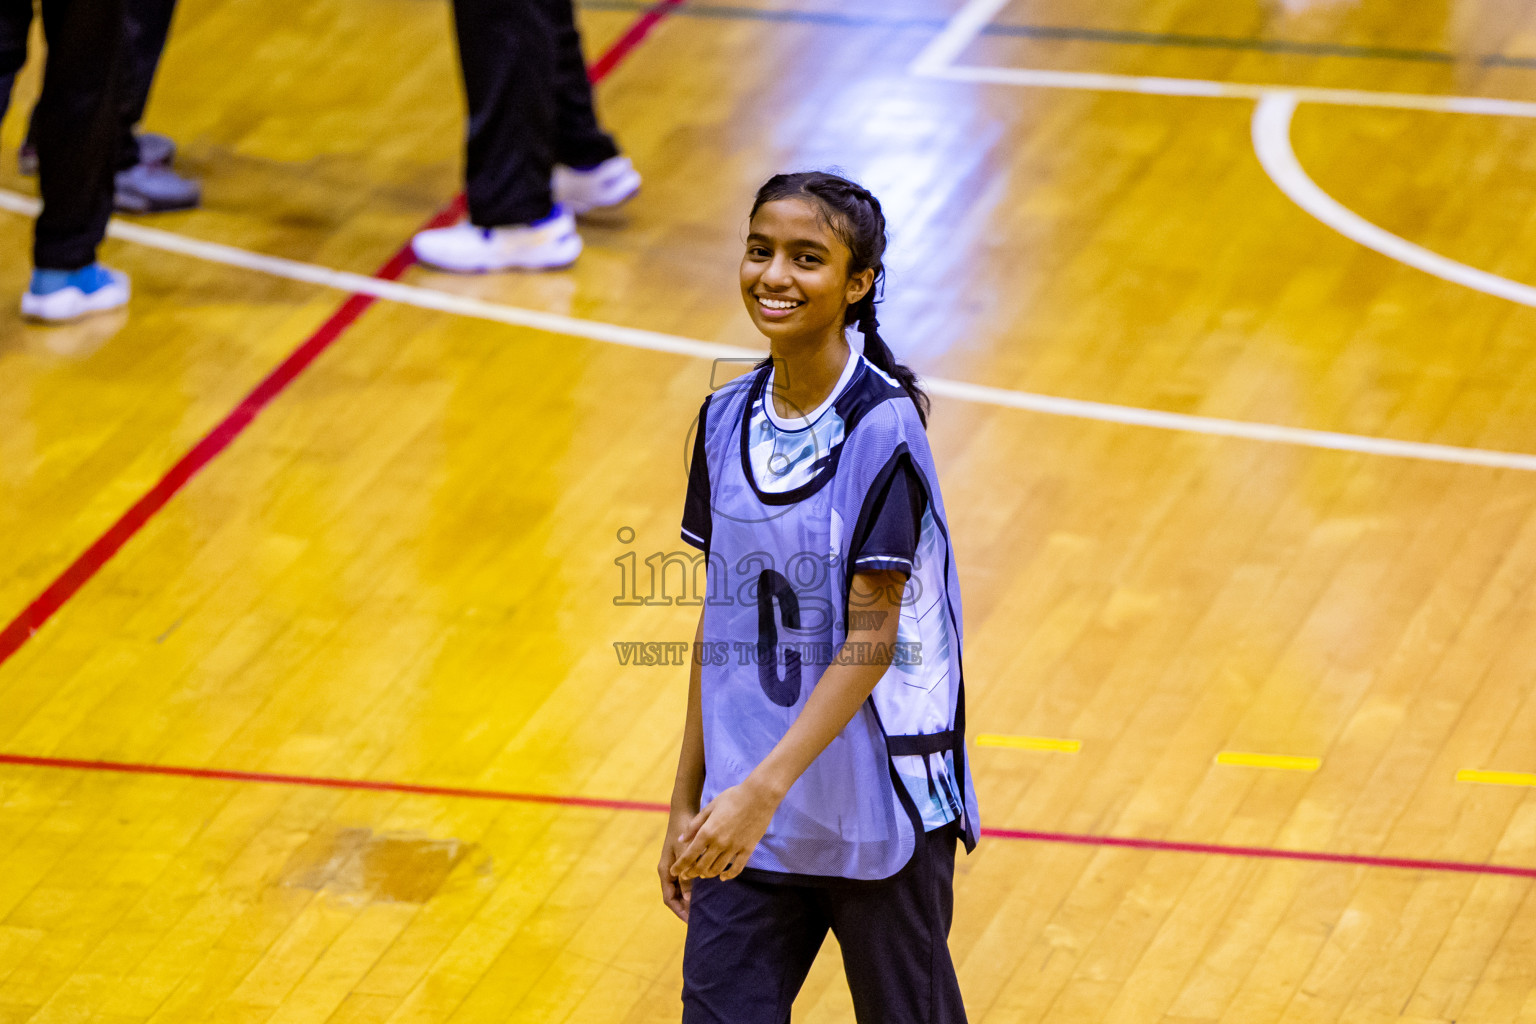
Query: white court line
pixel 405 294
pixel 937 60
pixel 1272 143
pixel 1133 416
pixel 613 334
pixel 1149 85
pixel 945 48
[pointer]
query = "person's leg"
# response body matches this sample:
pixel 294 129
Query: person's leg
pixel 895 940
pixel 29 143
pixel 589 173
pixel 145 182
pixel 77 129
pixel 578 139
pixel 148 27
pixel 76 140
pixel 15 24
pixel 748 950
pixel 507 54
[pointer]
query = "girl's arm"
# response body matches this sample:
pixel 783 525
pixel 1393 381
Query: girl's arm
pixel 723 835
pixel 689 783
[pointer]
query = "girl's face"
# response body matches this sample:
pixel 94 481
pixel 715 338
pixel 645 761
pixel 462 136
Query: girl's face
pixel 794 275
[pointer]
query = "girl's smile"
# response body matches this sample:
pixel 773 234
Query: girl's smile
pixel 777 309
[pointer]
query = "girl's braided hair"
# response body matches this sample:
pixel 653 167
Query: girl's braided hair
pixel 854 214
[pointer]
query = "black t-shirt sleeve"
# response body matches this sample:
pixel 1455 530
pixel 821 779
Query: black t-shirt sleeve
pixel 696 506
pixel 890 543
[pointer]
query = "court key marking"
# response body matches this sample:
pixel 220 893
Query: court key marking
pixel 1271 132
pixel 1272 142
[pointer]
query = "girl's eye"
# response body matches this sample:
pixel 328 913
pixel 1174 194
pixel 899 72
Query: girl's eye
pixel 757 252
pixel 808 258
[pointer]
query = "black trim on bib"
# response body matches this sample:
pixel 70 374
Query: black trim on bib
pixel 967 827
pixel 864 392
pixel 824 473
pixel 927 743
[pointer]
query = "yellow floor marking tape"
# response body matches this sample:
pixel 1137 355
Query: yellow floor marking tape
pixel 1496 778
pixel 1285 762
pixel 1029 743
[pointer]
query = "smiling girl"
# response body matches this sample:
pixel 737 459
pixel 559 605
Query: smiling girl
pixel 836 783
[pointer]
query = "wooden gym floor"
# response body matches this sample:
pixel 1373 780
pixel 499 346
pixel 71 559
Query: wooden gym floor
pixel 275 629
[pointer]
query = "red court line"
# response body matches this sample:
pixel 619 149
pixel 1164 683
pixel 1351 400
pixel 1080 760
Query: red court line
pixel 322 782
pixel 91 561
pixel 630 39
pixel 1152 845
pixel 1267 852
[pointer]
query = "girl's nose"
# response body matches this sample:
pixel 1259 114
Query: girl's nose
pixel 777 275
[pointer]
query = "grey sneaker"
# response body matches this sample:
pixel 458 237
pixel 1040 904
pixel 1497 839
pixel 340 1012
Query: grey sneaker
pixel 155 148
pixel 154 188
pixel 610 183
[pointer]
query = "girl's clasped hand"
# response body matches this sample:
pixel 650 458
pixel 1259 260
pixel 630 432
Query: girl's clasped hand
pixel 720 838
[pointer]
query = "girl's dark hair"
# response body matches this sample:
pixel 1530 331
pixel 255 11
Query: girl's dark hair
pixel 855 216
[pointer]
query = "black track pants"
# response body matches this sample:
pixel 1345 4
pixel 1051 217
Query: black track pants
pixel 76 117
pixel 530 105
pixel 146 27
pixel 751 943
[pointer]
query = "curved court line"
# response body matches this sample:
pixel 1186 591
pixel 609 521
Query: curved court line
pixel 632 337
pixel 601 803
pixel 1272 142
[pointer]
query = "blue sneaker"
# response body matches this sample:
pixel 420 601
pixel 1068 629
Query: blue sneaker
pixel 59 296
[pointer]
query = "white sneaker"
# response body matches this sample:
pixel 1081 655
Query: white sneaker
pixel 608 184
pixel 92 289
pixel 467 249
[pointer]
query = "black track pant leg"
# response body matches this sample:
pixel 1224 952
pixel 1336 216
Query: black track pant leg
pixel 579 140
pixel 530 105
pixel 77 130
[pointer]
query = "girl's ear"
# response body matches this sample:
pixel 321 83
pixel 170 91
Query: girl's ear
pixel 859 284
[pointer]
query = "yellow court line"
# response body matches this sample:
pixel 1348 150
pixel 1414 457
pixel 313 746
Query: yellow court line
pixel 1029 743
pixel 1284 762
pixel 1496 778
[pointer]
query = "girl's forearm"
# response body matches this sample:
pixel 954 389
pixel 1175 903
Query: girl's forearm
pixel 689 784
pixel 838 695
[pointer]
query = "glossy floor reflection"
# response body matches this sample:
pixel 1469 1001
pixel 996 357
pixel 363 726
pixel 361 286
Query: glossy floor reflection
pixel 405 568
